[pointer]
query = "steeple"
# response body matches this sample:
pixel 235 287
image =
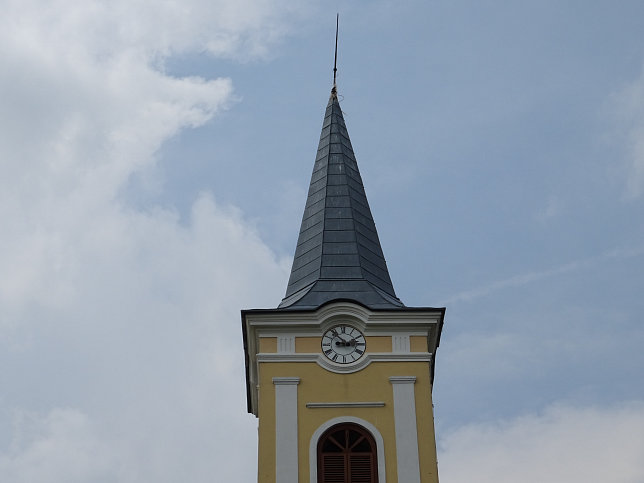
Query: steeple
pixel 341 345
pixel 338 254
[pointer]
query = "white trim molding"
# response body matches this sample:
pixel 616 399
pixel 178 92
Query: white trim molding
pixel 360 364
pixel 380 445
pixel 366 404
pixel 406 433
pixel 286 470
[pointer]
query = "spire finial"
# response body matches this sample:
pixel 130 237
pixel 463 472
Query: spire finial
pixel 335 59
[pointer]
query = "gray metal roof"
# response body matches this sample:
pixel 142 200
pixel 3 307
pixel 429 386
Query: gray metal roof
pixel 338 254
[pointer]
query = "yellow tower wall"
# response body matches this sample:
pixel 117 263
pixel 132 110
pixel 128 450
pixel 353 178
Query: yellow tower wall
pixel 371 384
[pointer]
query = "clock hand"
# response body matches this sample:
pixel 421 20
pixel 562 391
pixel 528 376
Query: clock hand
pixel 345 343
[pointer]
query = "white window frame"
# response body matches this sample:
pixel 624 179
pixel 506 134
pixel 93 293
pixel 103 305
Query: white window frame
pixel 313 446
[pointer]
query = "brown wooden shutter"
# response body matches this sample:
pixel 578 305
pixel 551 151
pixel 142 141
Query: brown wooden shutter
pixel 334 468
pixel 347 454
pixel 360 468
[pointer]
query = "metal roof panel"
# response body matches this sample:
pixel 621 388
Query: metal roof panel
pixel 338 254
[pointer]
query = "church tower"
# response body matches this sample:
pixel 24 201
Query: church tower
pixel 340 374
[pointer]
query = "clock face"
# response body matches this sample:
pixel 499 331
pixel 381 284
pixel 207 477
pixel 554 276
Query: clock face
pixel 343 344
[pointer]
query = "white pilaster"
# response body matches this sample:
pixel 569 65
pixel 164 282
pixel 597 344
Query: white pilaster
pixel 406 433
pixel 400 343
pixel 286 344
pixel 286 470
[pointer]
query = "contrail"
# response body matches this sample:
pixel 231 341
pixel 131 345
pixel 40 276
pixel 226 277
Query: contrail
pixel 525 278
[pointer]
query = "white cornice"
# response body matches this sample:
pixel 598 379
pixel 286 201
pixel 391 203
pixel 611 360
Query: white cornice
pixel 286 381
pixel 402 379
pixel 342 310
pixel 360 364
pixel 317 332
pixel 365 404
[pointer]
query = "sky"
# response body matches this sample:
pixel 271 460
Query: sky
pixel 155 160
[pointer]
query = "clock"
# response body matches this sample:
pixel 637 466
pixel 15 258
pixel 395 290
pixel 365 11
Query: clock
pixel 343 344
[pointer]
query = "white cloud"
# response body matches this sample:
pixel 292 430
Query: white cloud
pixel 552 209
pixel 120 340
pixel 629 106
pixel 58 447
pixel 564 444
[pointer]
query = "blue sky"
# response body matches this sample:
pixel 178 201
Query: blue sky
pixel 156 162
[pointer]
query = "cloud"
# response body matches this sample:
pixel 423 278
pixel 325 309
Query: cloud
pixel 120 340
pixel 62 448
pixel 628 105
pixel 552 209
pixel 563 444
pixel 138 375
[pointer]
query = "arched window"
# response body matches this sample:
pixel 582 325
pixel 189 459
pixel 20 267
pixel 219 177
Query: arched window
pixel 347 454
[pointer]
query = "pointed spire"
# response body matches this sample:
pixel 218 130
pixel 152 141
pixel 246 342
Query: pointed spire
pixel 338 254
